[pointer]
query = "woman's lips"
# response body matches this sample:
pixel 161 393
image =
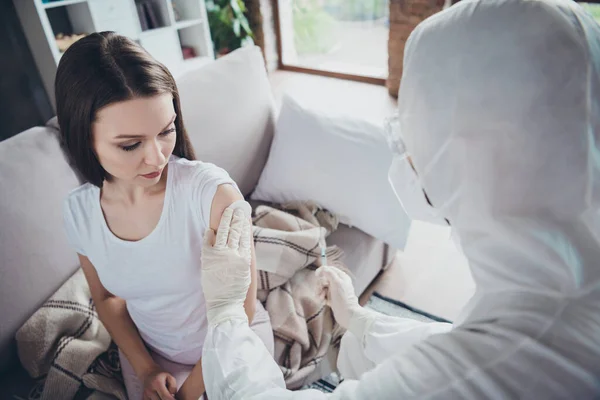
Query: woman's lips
pixel 152 175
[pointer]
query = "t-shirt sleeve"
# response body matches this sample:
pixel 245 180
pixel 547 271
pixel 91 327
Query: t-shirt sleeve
pixel 207 179
pixel 70 228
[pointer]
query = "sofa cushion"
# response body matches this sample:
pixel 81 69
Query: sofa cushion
pixel 338 161
pixel 228 111
pixel 35 258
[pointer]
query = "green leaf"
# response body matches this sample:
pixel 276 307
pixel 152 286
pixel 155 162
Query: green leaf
pixel 235 6
pixel 244 21
pixel 247 41
pixel 225 17
pixel 228 24
pixel 236 27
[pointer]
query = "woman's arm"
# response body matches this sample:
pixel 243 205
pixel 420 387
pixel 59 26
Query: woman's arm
pixel 224 197
pixel 226 194
pixel 113 313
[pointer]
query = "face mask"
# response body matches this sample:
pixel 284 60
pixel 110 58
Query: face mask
pixel 409 192
pixel 404 179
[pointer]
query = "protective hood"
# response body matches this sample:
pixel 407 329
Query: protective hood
pixel 499 109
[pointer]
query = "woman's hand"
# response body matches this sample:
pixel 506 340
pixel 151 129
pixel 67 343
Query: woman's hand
pixel 159 385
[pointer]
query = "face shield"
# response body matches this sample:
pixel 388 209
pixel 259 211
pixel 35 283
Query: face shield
pixel 404 179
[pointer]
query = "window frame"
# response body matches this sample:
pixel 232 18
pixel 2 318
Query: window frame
pixel 314 71
pixel 332 74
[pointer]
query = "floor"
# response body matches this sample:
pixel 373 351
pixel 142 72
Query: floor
pixel 334 95
pixel 431 273
pixel 386 284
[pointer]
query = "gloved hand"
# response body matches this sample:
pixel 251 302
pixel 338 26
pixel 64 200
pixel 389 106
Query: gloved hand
pixel 343 302
pixel 226 259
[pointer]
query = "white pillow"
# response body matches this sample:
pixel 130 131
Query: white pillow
pixel 339 162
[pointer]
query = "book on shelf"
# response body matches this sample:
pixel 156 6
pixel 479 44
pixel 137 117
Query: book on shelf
pixel 147 15
pixel 152 18
pixel 142 16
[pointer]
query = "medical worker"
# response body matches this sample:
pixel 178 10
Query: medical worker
pixel 499 124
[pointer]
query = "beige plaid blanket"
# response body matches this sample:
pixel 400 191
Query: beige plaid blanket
pixel 303 327
pixel 66 342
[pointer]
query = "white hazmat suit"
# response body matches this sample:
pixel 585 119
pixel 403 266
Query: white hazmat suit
pixel 499 109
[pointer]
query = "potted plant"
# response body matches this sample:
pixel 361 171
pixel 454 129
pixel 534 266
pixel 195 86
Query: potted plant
pixel 229 25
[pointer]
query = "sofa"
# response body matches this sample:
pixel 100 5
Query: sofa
pixel 235 106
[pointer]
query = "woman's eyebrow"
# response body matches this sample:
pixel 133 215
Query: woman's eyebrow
pixel 127 136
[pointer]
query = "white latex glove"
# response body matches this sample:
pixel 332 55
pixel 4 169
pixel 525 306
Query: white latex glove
pixel 343 302
pixel 226 259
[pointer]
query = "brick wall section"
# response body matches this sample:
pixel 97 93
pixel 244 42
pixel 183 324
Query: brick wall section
pixel 405 15
pixel 262 21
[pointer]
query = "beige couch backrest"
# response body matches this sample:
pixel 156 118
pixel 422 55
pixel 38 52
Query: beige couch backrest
pixel 228 111
pixel 35 257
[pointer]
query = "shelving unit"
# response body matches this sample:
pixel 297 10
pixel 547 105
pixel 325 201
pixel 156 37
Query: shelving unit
pixel 175 32
pixel 187 23
pixel 186 10
pixel 62 3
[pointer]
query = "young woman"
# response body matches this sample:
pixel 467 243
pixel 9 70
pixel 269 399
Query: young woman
pixel 138 223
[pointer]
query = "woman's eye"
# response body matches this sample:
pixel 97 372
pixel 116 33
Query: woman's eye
pixel 131 147
pixel 136 145
pixel 167 132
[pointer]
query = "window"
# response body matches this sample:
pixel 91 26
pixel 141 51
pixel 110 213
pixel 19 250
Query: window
pixel 593 9
pixel 346 37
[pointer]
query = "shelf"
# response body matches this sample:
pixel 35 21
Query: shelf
pixel 68 18
pixel 187 24
pixel 193 41
pixel 151 32
pixel 153 14
pixel 61 3
pixel 182 30
pixel 186 10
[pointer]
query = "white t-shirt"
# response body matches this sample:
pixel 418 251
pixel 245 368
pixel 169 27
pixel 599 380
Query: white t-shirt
pixel 159 275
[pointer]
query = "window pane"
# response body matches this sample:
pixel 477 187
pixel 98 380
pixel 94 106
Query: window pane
pixel 348 36
pixel 593 9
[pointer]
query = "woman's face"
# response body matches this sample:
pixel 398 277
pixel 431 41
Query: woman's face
pixel 134 139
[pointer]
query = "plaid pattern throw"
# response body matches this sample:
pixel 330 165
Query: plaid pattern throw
pixel 303 327
pixel 64 340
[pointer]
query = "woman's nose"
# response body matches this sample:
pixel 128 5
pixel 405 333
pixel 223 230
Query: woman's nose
pixel 154 155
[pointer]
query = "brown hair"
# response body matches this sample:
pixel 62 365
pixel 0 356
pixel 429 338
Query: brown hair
pixel 96 71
